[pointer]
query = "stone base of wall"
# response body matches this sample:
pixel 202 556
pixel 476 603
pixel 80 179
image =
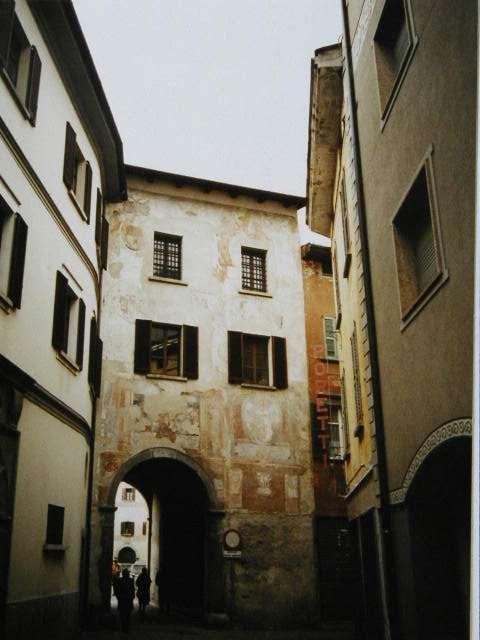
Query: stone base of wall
pixel 55 618
pixel 273 583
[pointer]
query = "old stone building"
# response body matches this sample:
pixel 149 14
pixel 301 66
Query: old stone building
pixel 60 156
pixel 204 403
pixel 395 183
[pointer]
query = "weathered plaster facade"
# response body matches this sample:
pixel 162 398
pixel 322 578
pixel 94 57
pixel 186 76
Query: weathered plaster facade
pixel 250 446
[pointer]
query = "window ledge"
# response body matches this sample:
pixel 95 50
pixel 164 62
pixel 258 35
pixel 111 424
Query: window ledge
pixel 55 548
pixel 159 376
pixel 13 92
pixel 424 298
pixel 168 280
pixel 5 303
pixel 265 387
pixel 67 362
pixel 78 207
pixel 261 294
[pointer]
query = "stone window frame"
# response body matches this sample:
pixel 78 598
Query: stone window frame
pixel 409 312
pixel 387 101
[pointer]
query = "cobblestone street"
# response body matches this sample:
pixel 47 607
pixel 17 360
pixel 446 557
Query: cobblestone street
pixel 156 627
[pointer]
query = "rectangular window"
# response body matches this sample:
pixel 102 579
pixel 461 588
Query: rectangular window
pixel 77 174
pixel 19 62
pixel 356 378
pixel 417 250
pixel 144 529
pixel 255 360
pixel 335 434
pixel 55 522
pixel 254 272
pixel 127 528
pixel 249 356
pixel 346 431
pixel 346 228
pixel 166 349
pixel 128 494
pixel 167 256
pixel 13 245
pixel 68 322
pixel 330 335
pixel 393 42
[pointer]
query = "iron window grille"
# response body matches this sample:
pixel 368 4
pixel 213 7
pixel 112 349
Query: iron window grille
pixel 167 256
pixel 127 528
pixel 254 272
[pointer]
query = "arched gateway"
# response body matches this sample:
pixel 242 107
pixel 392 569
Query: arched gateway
pixel 185 520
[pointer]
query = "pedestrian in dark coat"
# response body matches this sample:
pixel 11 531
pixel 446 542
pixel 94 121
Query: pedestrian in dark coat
pixel 143 590
pixel 124 590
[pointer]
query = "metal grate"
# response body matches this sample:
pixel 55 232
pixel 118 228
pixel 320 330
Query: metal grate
pixel 254 275
pixel 167 256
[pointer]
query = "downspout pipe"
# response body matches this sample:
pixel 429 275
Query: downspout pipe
pixel 384 550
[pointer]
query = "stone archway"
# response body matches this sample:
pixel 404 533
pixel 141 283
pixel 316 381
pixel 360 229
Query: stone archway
pixel 141 468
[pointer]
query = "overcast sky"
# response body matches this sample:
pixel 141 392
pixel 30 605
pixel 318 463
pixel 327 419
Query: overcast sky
pixel 215 89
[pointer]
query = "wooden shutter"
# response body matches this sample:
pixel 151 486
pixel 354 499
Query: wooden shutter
pixel 356 377
pixel 98 218
pixel 33 84
pixel 69 160
pixel 279 352
pixel 17 265
pixel 345 413
pixel 87 194
pixel 190 352
pixel 98 366
pixel 59 333
pixel 80 333
pixel 142 346
pixel 7 16
pixel 104 247
pixel 235 357
pixel 91 351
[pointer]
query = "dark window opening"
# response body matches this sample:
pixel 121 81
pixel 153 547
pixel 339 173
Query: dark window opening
pixel 165 349
pixel 254 275
pixel 127 528
pixel 55 521
pixel 255 360
pixel 167 256
pixel 128 494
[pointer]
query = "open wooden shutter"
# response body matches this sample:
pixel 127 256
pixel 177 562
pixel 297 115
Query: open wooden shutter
pixel 69 160
pixel 15 281
pixel 142 346
pixel 190 352
pixel 279 352
pixel 98 218
pixel 33 84
pixel 7 15
pixel 91 351
pixel 235 357
pixel 59 333
pixel 87 194
pixel 80 333
pixel 104 247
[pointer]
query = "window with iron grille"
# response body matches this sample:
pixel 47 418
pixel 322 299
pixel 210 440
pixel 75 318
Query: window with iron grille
pixel 128 494
pixel 167 256
pixel 127 528
pixel 254 272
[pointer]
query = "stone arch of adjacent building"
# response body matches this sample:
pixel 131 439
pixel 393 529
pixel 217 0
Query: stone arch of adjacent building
pixel 214 597
pixel 458 428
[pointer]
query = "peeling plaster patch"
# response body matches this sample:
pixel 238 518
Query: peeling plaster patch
pixel 219 487
pixel 133 237
pixel 236 484
pixel 224 258
pixel 260 418
pixel 264 481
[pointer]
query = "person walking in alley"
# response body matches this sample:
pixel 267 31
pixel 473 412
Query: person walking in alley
pixel 143 590
pixel 124 590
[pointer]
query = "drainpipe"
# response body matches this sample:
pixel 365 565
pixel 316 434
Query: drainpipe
pixel 382 519
pixel 475 499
